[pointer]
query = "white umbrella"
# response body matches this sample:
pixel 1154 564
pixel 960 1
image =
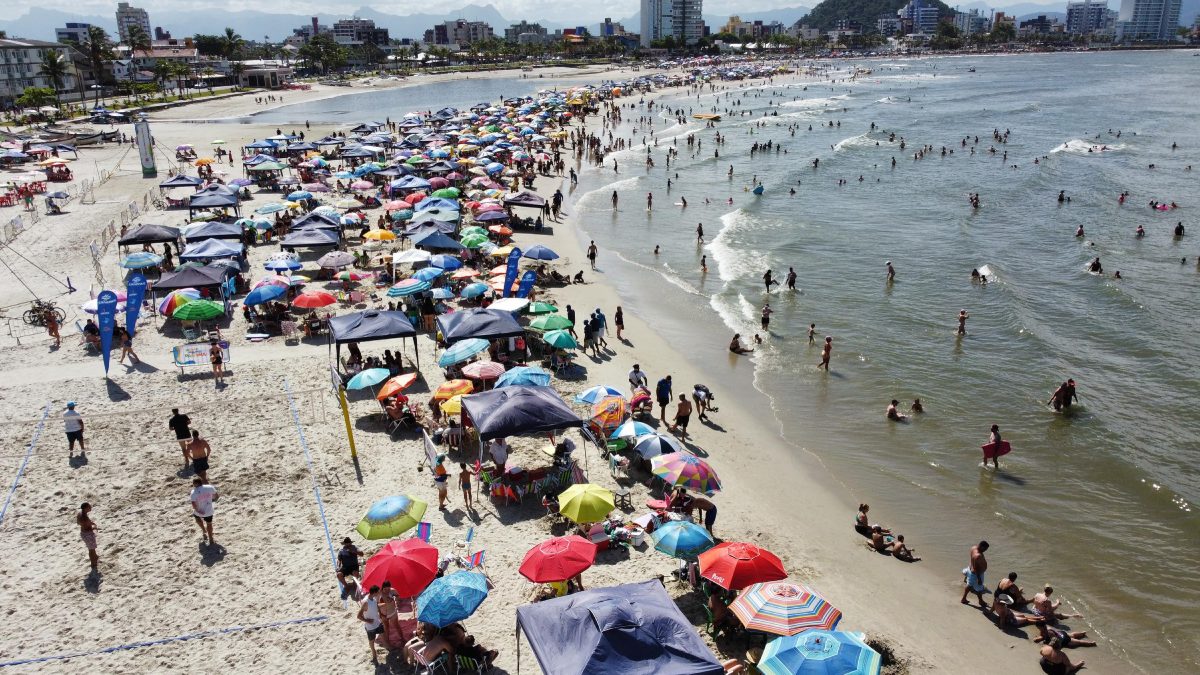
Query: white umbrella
pixel 653 445
pixel 413 255
pixel 336 259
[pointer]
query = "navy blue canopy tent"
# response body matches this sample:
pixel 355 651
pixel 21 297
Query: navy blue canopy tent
pixel 371 325
pixel 438 240
pixel 149 233
pixel 512 411
pixel 192 277
pixel 631 629
pixel 410 183
pixel 182 181
pixel 211 197
pixel 209 249
pixel 485 324
pixel 417 229
pixel 309 238
pixel 213 229
pixel 526 198
pixel 316 220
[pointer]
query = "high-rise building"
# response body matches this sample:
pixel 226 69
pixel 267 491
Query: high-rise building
pixel 1086 17
pixel 21 67
pixel 971 22
pixel 1148 19
pixel 459 32
pixel 72 32
pixel 682 20
pixel 356 31
pixel 917 17
pixel 526 33
pixel 131 16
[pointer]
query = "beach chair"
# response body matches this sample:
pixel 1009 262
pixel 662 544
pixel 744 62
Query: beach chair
pixel 289 330
pixel 441 664
pixel 356 297
pixel 191 334
pixel 467 664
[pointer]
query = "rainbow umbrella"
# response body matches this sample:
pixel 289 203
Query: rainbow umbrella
pixel 682 469
pixel 391 517
pixel 608 413
pixel 820 652
pixel 352 276
pixel 176 299
pixel 784 608
pixel 452 388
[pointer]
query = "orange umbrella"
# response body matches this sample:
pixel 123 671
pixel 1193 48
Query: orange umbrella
pixel 464 273
pixel 204 161
pixel 453 388
pixel 499 269
pixel 396 385
pixel 608 413
pixel 380 235
pixel 500 230
pixel 498 285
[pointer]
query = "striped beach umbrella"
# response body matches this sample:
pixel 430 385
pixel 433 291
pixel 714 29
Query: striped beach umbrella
pixel 483 370
pixel 452 388
pixel 391 516
pixel 140 260
pixel 682 469
pixel 198 310
pixel 820 652
pixel 461 351
pixel 428 273
pixel 784 608
pixel 631 429
pixel 408 287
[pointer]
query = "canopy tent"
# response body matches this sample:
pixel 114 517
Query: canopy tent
pixel 486 324
pixel 511 305
pixel 209 249
pixel 369 326
pixel 312 238
pixel 316 220
pixel 148 233
pixel 438 240
pixel 420 229
pixel 631 628
pixel 213 229
pixel 526 198
pixel 192 277
pixel 516 410
pixel 211 198
pixel 182 181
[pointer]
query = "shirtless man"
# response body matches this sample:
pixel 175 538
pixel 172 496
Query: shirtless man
pixel 891 272
pixel 1046 608
pixel 901 551
pixel 768 281
pixel 736 347
pixel 198 451
pixel 825 352
pixel 894 414
pixel 87 532
pixel 1055 661
pixel 791 279
pixel 683 412
pixel 962 321
pixel 975 572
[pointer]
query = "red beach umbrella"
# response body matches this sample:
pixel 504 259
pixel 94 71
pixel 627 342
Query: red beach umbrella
pixel 314 299
pixel 410 564
pixel 557 559
pixel 736 565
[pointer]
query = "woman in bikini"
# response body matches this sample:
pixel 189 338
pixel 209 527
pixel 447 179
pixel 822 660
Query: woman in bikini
pixel 216 357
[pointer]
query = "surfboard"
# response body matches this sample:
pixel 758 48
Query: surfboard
pixel 992 450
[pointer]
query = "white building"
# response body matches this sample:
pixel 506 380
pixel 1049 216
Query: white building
pixel 1087 17
pixel 971 23
pixel 21 67
pixel 682 20
pixel 917 17
pixel 131 16
pixel 1148 19
pixel 72 32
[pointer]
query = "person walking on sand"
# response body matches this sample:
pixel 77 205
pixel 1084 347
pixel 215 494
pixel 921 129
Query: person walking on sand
pixel 663 393
pixel 52 328
pixel 441 476
pixel 199 451
pixel 619 322
pixel 87 532
pixel 217 358
pixel 571 318
pixel 591 254
pixel 464 482
pixel 127 349
pixel 637 378
pixel 73 424
pixel 962 321
pixel 180 424
pixel 825 352
pixel 974 573
pixel 683 413
pixel 203 497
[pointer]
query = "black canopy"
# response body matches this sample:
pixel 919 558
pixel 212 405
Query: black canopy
pixel 213 229
pixel 148 233
pixel 526 198
pixel 516 410
pixel 372 325
pixel 486 324
pixel 192 277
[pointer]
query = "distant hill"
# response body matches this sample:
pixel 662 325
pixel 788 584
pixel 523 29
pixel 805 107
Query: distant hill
pixel 826 15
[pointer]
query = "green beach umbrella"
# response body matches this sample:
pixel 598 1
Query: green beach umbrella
pixel 199 310
pixel 474 229
pixel 473 240
pixel 559 339
pixel 540 308
pixel 448 193
pixel 550 322
pixel 391 517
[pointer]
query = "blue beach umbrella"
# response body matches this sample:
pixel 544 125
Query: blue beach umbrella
pixel 391 516
pixel 446 262
pixel 141 259
pixel 631 429
pixel 820 652
pixel 299 196
pixel 539 252
pixel 461 351
pixel 282 264
pixel 524 375
pixel 264 293
pixel 271 208
pixel 368 378
pixel 593 394
pixel 408 287
pixel 474 290
pixel 428 273
pixel 442 294
pixel 682 539
pixel 451 598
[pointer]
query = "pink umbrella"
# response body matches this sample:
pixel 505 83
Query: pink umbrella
pixel 362 185
pixel 489 207
pixel 274 280
pixel 438 183
pixel 316 187
pixel 396 205
pixel 454 175
pixel 483 370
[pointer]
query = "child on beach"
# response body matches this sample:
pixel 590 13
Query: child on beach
pixel 464 481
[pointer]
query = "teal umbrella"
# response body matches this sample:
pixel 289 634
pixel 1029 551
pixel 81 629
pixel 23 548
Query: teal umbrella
pixel 451 598
pixel 550 322
pixel 682 539
pixel 560 339
pixel 367 378
pixel 461 351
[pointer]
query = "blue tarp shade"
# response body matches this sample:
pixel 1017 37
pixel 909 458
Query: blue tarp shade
pixel 632 629
pixel 513 411
pixel 193 277
pixel 148 233
pixel 371 325
pixel 310 238
pixel 209 249
pixel 424 228
pixel 213 229
pixel 410 183
pixel 485 324
pixel 436 203
pixel 181 181
pixel 438 240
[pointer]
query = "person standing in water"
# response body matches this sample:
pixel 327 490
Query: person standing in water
pixel 962 321
pixel 614 200
pixel 994 440
pixel 812 333
pixel 891 272
pixel 825 353
pixel 768 281
pixel 591 254
pixel 791 279
pixel 700 233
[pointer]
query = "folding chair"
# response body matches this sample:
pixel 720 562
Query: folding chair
pixel 467 664
pixel 465 543
pixel 439 665
pixel 191 334
pixel 289 329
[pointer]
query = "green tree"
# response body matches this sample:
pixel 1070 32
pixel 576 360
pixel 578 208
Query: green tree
pixel 36 97
pixel 163 73
pixel 208 45
pixel 55 68
pixel 231 44
pixel 98 49
pixel 1004 32
pixel 323 52
pixel 138 40
pixel 945 38
pixel 182 75
pixel 237 69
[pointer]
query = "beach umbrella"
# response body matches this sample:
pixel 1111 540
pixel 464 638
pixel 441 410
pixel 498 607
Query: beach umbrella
pixel 540 308
pixel 412 255
pixel 682 539
pixel 655 444
pixel 560 339
pixel 474 229
pixel 396 385
pixel 274 207
pixel 464 273
pixel 491 215
pixel 299 196
pixel 445 262
pixel 474 290
pixel 473 240
pixel 452 598
pixel 539 252
pixel 452 388
pixel 282 264
pixel 350 275
pixel 784 608
pixel 362 185
pixel 391 516
pixel 380 235
pixel 736 565
pixel 461 351
pixel 819 652
pixel 92 306
pixel 263 294
pixel 683 469
pixel 407 287
pixel 452 405
pixel 483 370
pixel 585 503
pixel 608 413
pixel 410 564
pixel 198 310
pixel 558 559
pixel 368 378
pixel 550 322
pixel 348 204
pixel 140 260
pixel 314 299
pixel 176 299
pixel 336 259
pixel 500 230
pixel 274 280
pixel 593 394
pixel 630 430
pixel 442 294
pixel 428 273
pixel 524 376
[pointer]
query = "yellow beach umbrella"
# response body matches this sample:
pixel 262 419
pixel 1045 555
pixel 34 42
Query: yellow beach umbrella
pixel 380 235
pixel 585 503
pixel 452 388
pixel 453 405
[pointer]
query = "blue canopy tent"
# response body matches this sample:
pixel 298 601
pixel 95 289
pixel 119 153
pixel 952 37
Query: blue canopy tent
pixel 369 326
pixel 417 229
pixel 632 629
pixel 485 324
pixel 310 238
pixel 213 229
pixel 192 277
pixel 182 181
pixel 211 249
pixel 213 197
pixel 517 410
pixel 437 240
pixel 317 220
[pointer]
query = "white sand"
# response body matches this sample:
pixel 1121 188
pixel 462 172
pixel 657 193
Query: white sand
pixel 273 563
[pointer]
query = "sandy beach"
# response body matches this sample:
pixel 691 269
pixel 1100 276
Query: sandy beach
pixel 266 599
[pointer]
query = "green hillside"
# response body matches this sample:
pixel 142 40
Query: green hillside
pixel 826 15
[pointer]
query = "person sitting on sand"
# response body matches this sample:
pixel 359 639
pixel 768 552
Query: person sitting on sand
pixel 1008 586
pixel 1067 639
pixel 465 645
pixel 894 414
pixel 1048 609
pixel 1054 662
pixel 735 345
pixel 878 543
pixel 1006 618
pixel 861 524
pixel 901 551
pixel 718 606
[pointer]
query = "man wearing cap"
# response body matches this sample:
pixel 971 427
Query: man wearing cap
pixel 636 377
pixel 73 423
pixel 347 564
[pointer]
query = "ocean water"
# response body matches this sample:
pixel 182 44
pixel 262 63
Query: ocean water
pixel 1103 503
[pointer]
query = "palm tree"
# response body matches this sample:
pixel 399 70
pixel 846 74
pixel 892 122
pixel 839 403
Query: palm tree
pixel 54 69
pixel 182 75
pixel 98 49
pixel 237 69
pixel 231 44
pixel 138 40
pixel 162 73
